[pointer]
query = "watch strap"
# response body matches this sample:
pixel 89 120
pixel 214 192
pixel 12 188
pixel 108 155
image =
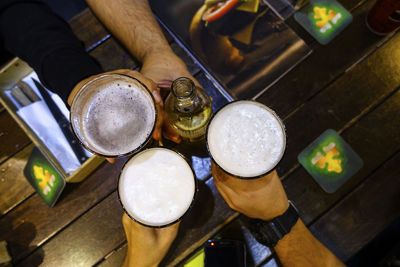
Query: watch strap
pixel 270 232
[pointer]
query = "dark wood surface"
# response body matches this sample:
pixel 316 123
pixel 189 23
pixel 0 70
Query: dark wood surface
pixel 350 85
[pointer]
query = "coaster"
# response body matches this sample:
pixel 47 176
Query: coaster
pixel 44 177
pixel 323 19
pixel 330 160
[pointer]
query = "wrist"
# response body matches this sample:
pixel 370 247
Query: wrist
pixel 279 203
pixel 280 207
pixel 272 231
pixel 163 56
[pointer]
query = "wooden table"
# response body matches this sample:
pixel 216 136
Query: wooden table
pixel 350 85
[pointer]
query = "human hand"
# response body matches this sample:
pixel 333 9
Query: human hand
pixel 262 198
pixel 147 246
pixel 164 67
pixel 153 88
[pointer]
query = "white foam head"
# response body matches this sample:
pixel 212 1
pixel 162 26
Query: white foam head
pixel 115 115
pixel 246 138
pixel 156 187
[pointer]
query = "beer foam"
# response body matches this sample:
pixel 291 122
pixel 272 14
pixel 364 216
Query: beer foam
pixel 156 186
pixel 246 139
pixel 118 118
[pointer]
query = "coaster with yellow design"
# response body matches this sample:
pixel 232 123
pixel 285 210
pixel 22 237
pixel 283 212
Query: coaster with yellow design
pixel 44 177
pixel 323 19
pixel 330 160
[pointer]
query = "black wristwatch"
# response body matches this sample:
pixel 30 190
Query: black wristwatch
pixel 270 232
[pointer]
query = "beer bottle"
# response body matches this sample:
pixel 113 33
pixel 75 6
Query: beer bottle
pixel 188 109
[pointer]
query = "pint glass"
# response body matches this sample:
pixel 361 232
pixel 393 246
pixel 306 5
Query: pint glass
pixel 113 115
pixel 245 139
pixel 157 187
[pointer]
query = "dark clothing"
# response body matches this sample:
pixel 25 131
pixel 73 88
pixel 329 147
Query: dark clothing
pixel 30 30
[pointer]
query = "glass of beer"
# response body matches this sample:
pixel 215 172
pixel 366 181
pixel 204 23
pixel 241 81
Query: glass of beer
pixel 157 187
pixel 113 115
pixel 246 139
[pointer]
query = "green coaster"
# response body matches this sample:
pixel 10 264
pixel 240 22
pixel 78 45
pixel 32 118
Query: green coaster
pixel 44 177
pixel 323 19
pixel 330 160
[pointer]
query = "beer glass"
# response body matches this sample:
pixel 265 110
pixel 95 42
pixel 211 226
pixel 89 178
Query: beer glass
pixel 384 17
pixel 157 187
pixel 113 115
pixel 245 139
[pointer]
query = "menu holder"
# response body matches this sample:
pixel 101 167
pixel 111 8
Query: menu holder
pixel 11 99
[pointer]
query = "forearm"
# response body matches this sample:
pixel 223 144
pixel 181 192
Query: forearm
pixel 133 23
pixel 301 248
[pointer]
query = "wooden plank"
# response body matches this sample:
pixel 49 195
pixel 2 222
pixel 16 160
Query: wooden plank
pixel 375 138
pixel 323 66
pixel 32 223
pixel 14 188
pixel 111 56
pixel 115 258
pixel 12 138
pixel 86 241
pixel 99 232
pixel 88 28
pixel 363 214
pixel 339 105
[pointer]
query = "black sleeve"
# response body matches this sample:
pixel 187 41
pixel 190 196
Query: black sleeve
pixel 30 30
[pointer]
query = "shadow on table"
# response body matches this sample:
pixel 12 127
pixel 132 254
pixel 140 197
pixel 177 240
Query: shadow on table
pixel 19 236
pixel 382 251
pixel 192 225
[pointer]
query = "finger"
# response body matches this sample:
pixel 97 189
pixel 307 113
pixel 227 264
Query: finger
pixel 137 75
pixel 164 84
pixel 169 233
pixel 111 160
pixel 157 97
pixel 126 223
pixel 171 228
pixel 169 132
pixel 225 192
pixel 126 220
pixel 157 134
pixel 218 174
pixel 172 137
pixel 159 123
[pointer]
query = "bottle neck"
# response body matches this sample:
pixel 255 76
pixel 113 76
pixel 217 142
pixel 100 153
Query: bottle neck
pixel 184 91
